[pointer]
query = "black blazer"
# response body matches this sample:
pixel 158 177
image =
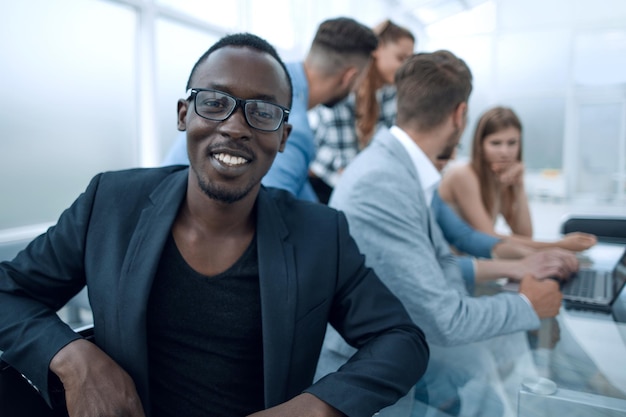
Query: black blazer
pixel 311 273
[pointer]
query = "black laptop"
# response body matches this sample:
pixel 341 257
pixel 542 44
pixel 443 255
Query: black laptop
pixel 597 287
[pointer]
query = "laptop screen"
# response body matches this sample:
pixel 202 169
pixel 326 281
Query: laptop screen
pixel 619 302
pixel 619 275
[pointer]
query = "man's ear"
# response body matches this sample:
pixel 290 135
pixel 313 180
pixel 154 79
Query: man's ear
pixel 348 76
pixel 183 106
pixel 376 52
pixel 283 140
pixel 460 116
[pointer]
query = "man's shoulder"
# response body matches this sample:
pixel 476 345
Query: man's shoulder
pixel 458 175
pixel 136 181
pixel 460 169
pixel 376 157
pixel 142 174
pixel 300 213
pixel 287 203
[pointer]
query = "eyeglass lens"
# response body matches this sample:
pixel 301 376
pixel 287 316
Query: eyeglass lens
pixel 218 106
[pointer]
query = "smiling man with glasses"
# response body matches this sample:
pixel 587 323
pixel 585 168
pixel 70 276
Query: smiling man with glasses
pixel 338 56
pixel 210 293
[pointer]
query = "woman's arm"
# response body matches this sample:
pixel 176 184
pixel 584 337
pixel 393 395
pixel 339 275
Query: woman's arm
pixel 515 207
pixel 574 241
pixel 460 234
pixel 460 188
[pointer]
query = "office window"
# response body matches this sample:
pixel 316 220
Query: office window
pixel 600 137
pixel 586 12
pixel 275 24
pixel 600 58
pixel 543 124
pixel 477 20
pixel 224 13
pixel 515 15
pixel 533 61
pixel 67 101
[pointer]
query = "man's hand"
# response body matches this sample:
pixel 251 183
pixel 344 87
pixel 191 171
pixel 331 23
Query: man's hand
pixel 577 241
pixel 544 295
pixel 303 405
pixel 547 263
pixel 94 384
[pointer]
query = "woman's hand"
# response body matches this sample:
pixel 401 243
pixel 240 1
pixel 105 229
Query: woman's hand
pixel 577 241
pixel 509 173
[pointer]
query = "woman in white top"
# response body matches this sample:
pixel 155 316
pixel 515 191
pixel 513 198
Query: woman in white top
pixel 492 183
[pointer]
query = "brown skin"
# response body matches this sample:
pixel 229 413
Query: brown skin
pixel 94 384
pixel 211 232
pixel 544 295
pixel 548 263
pixel 514 260
pixel 304 405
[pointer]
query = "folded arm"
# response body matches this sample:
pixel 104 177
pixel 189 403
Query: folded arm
pixel 38 282
pixel 392 352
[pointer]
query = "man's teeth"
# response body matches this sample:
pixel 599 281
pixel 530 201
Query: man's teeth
pixel 230 159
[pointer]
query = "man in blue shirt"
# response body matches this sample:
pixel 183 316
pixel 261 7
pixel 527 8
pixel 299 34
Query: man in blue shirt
pixel 339 54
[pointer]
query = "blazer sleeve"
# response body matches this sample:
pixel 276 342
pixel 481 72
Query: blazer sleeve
pixel 38 282
pixel 386 218
pixel 392 352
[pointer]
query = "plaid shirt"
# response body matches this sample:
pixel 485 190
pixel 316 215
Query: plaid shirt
pixel 335 133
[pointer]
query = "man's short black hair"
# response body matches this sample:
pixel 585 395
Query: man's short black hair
pixel 345 35
pixel 244 40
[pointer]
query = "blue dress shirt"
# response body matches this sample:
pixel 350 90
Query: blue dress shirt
pixel 290 170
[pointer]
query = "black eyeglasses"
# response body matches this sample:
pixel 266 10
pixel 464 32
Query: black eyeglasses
pixel 218 106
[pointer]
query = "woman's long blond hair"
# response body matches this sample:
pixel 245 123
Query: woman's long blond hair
pixel 366 107
pixel 492 121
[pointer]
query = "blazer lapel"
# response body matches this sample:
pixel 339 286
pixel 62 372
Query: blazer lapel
pixel 399 154
pixel 139 268
pixel 277 278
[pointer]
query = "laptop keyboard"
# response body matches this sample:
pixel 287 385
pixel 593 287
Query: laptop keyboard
pixel 588 284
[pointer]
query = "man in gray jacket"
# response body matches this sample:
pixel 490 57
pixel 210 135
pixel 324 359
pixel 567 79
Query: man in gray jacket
pixel 386 194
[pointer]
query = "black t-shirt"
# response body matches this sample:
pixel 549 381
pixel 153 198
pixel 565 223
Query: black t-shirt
pixel 204 339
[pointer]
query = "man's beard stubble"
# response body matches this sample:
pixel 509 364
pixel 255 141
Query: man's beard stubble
pixel 451 145
pixel 222 194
